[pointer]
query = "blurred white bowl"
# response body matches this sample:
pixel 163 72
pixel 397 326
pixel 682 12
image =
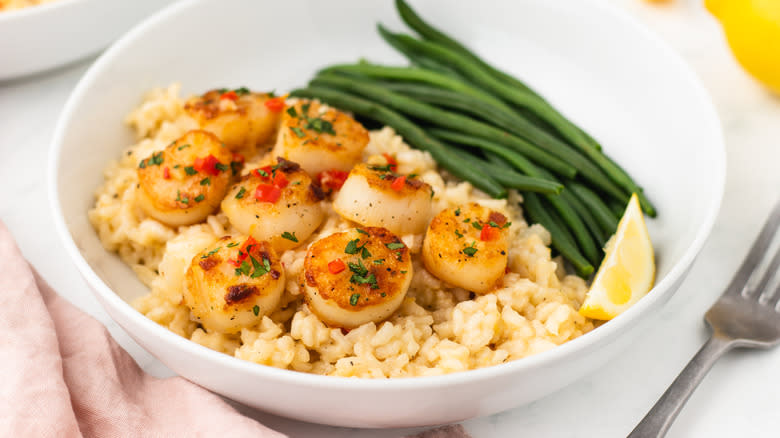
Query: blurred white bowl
pixel 38 38
pixel 602 69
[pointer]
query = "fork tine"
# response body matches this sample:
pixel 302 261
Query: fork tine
pixel 756 252
pixel 775 297
pixel 763 285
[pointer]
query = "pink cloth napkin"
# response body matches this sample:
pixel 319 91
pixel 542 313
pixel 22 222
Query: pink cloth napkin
pixel 62 375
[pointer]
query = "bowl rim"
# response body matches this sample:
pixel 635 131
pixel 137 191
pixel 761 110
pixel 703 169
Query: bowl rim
pixel 32 11
pixel 602 334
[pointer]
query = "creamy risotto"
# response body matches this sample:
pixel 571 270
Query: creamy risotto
pixel 394 309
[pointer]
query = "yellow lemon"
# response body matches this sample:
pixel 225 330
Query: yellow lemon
pixel 752 28
pixel 628 270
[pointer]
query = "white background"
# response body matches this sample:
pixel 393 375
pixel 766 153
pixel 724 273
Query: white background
pixel 740 397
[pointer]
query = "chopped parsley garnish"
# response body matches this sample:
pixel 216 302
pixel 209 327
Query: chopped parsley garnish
pixel 467 220
pixel 361 231
pixel 360 275
pixel 184 200
pixel 404 272
pixel 476 225
pixel 221 167
pixel 506 225
pixel 241 193
pixel 155 160
pixel 383 294
pixel 262 173
pixel 470 250
pixel 457 212
pixel 320 125
pixel 184 146
pixel 232 244
pixel 298 131
pixel 385 168
pixel 256 310
pixel 210 253
pixel 243 269
pixel 353 299
pixel 235 167
pixel 260 270
pixel 292 112
pixel 205 181
pixel 200 198
pixel 296 183
pixel 493 224
pixel 379 261
pixel 241 91
pixel 458 233
pixel 394 245
pixel 288 236
pixel 352 247
pixel 189 170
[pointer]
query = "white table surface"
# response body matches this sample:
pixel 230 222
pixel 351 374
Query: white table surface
pixel 740 397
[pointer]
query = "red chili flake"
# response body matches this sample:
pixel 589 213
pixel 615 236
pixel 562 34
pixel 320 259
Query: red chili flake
pixel 391 161
pixel 280 180
pixel 263 172
pixel 276 104
pixel 489 233
pixel 235 263
pixel 332 179
pixel 336 266
pixel 398 183
pixel 166 173
pixel 207 165
pixel 267 193
pixel 230 95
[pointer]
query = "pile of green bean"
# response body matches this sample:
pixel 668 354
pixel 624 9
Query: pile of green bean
pixel 492 130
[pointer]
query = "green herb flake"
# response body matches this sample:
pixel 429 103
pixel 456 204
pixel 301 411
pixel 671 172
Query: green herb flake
pixel 365 253
pixel 288 236
pixel 205 181
pixel 470 250
pixel 157 158
pixel 241 193
pixel 352 247
pixel 256 310
pixel 221 167
pixel 493 224
pixel 242 91
pixel 457 212
pixel 260 269
pixel 506 225
pixel 142 164
pixel 379 261
pixel 361 231
pixel 353 299
pixel 244 269
pixel 298 131
pixel 395 245
pixel 404 272
pixel 232 244
pixel 184 146
pixel 189 170
pixel 185 200
pixel 210 253
pixel 383 294
pixel 467 220
pixel 292 112
pixel 200 198
pixel 476 225
pixel 458 233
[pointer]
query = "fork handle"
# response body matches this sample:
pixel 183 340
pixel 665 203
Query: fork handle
pixel 658 421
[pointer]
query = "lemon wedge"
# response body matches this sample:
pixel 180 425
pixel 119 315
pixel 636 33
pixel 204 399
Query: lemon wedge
pixel 628 270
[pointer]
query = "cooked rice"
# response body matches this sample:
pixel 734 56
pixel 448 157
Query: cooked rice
pixel 438 329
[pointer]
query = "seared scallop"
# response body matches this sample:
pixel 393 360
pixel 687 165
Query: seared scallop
pixel 278 204
pixel 467 247
pixel 185 182
pixel 375 196
pixel 240 118
pixel 233 283
pixel 320 139
pixel 355 277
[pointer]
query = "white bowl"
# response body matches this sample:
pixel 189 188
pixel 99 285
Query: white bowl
pixel 42 37
pixel 620 82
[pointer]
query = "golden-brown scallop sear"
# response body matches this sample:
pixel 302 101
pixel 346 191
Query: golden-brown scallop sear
pixel 240 118
pixel 320 139
pixel 376 196
pixel 278 204
pixel 185 182
pixel 233 283
pixel 357 276
pixel 467 247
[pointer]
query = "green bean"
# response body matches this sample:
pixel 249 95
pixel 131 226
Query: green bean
pixel 510 178
pixel 414 21
pixel 587 218
pixel 444 118
pixel 411 133
pixel 497 160
pixel 517 160
pixel 416 59
pixel 603 215
pixel 538 214
pixel 617 208
pixel 413 74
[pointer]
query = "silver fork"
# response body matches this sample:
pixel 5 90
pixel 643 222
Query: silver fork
pixel 745 315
